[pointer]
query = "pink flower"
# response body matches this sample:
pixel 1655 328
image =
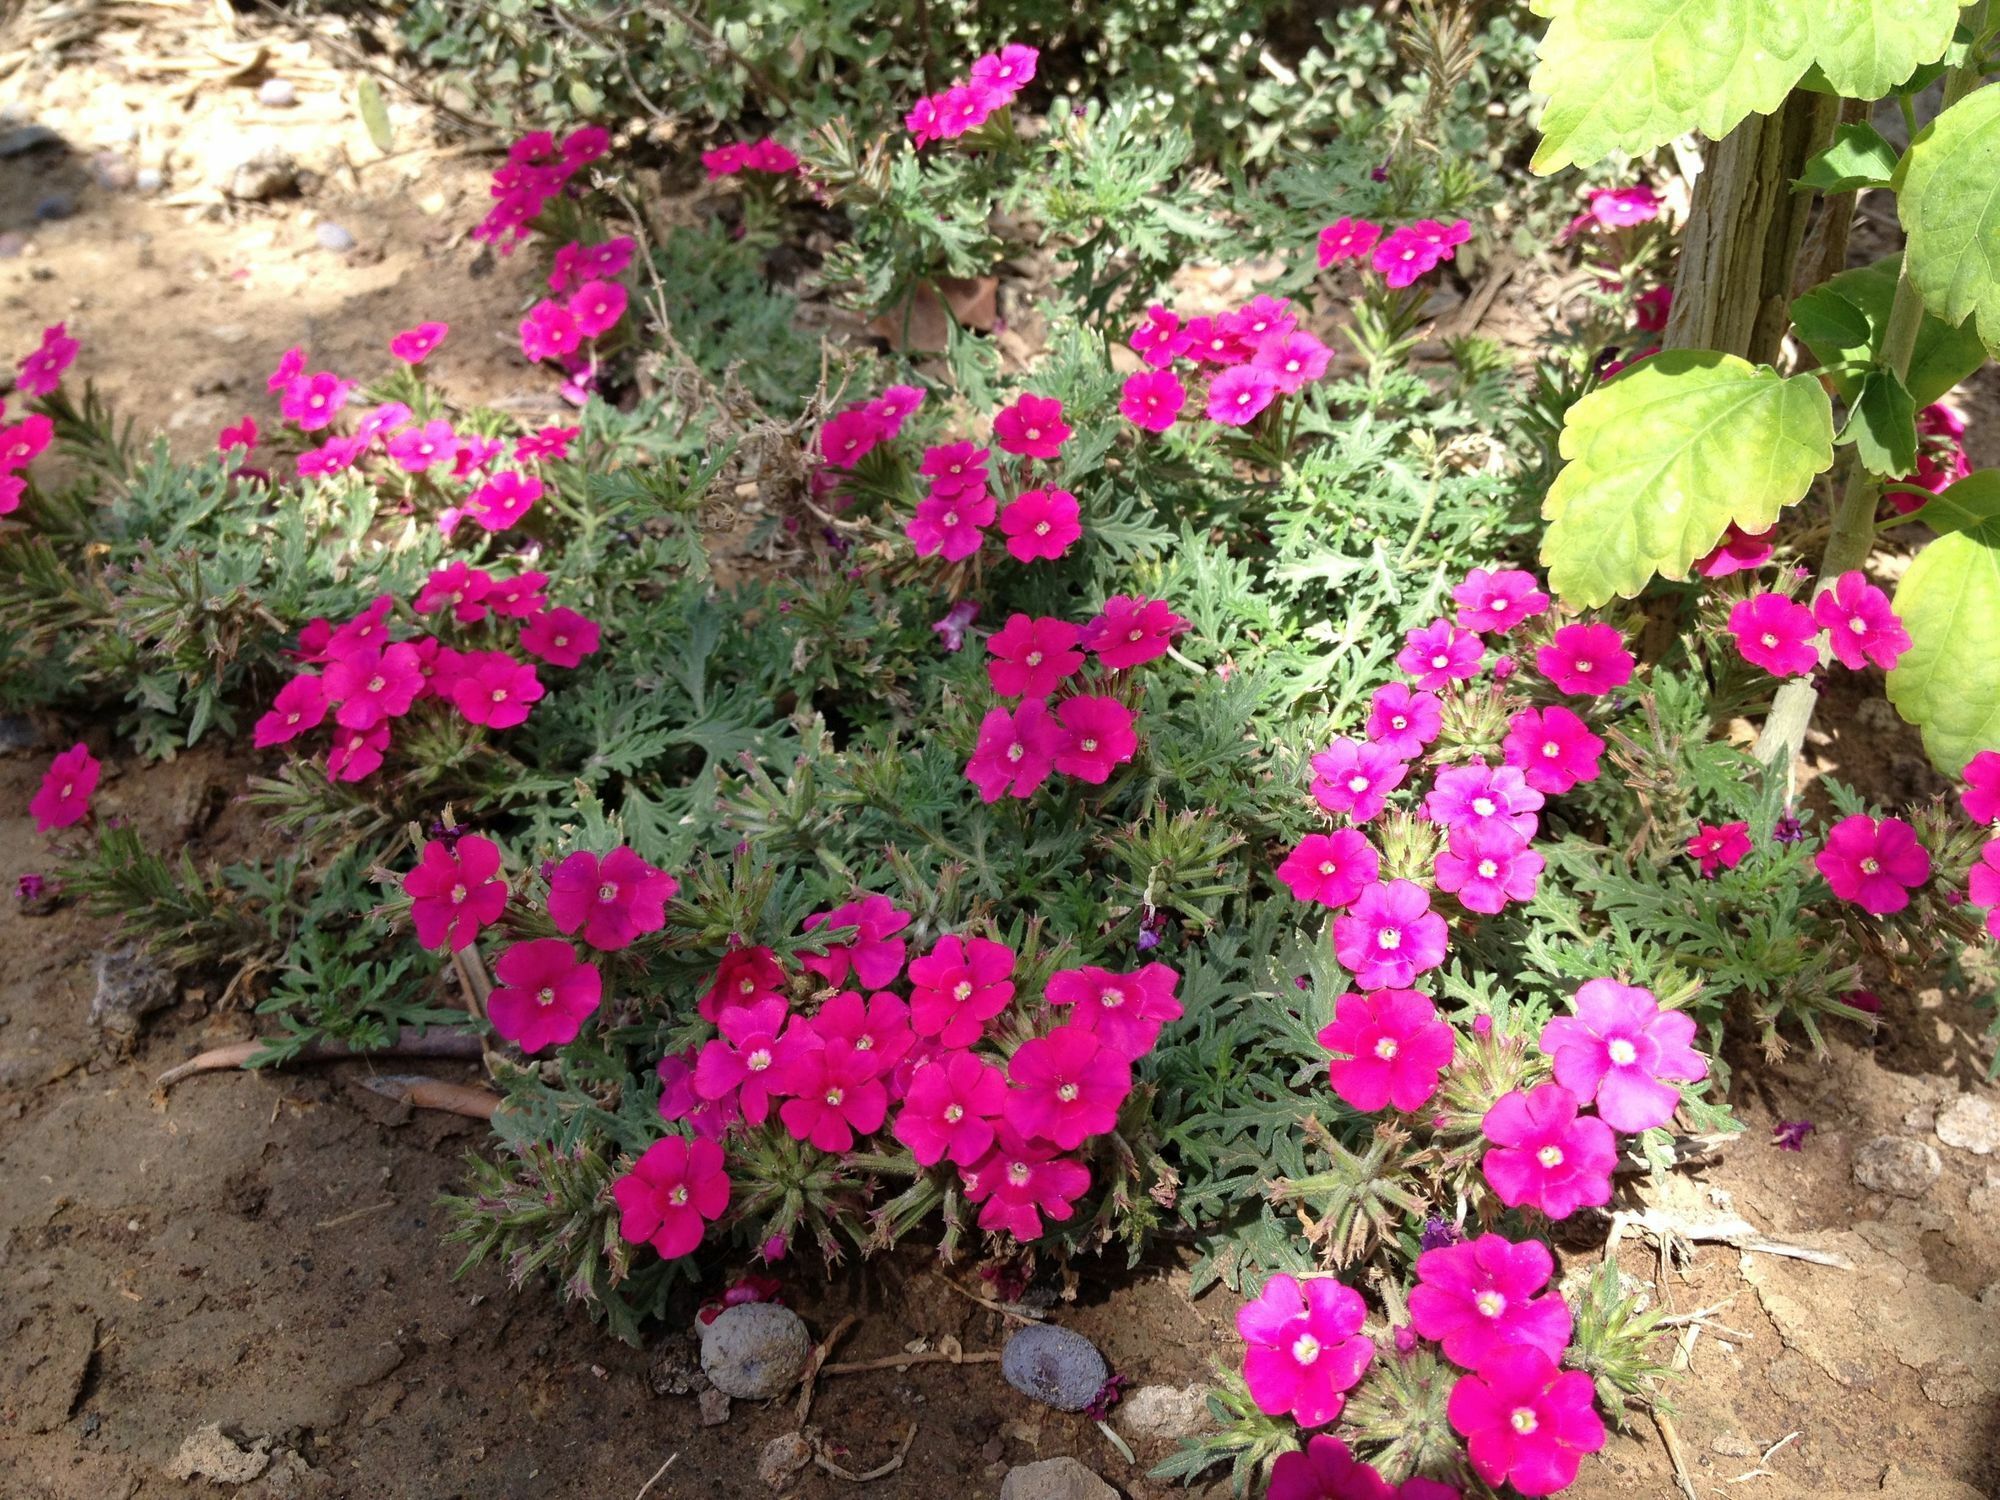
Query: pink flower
pixel 958 987
pixel 1159 340
pixel 458 587
pixel 561 637
pixel 331 457
pixel 1152 399
pixel 1616 1050
pixel 493 689
pixel 1007 70
pixel 1215 341
pixel 1261 318
pixel 415 449
pixel 386 418
pixel 1861 627
pixel 1719 847
pixel 356 753
pixel 1389 936
pixel 313 401
pixel 504 499
pixel 370 684
pixel 1439 654
pixel 291 364
pixel 950 1108
pixel 894 407
pixel 1388 1048
pixel 966 106
pixel 1486 865
pixel 1980 797
pixel 1239 393
pixel 1125 1010
pixel 299 706
pixel 1347 239
pixel 614 900
pixel 1040 524
pixel 745 976
pixel 1739 551
pixel 549 332
pixel 1983 885
pixel 1526 1423
pixel 12 488
pixel 1294 359
pixel 545 442
pixel 877 1027
pixel 544 994
pixel 1588 659
pixel 671 1195
pixel 1097 737
pixel 1777 634
pixel 837 1095
pixel 1131 630
pixel 849 437
pixel 63 799
pixel 1402 721
pixel 1032 427
pixel 1650 309
pixel 597 306
pixel 1481 796
pixel 1066 1086
pixel 1552 748
pixel 1498 601
pixel 42 370
pixel 922 123
pixel 1016 751
pixel 1331 868
pixel 415 345
pixel 1029 657
pixel 1326 1470
pixel 24 442
pixel 1544 1156
pixel 954 468
pixel 743 1064
pixel 455 890
pixel 1875 865
pixel 1355 777
pixel 874 960
pixel 1019 1181
pixel 243 435
pixel 1478 1297
pixel 1304 1347
pixel 369 628
pixel 1617 208
pixel 1411 251
pixel 950 525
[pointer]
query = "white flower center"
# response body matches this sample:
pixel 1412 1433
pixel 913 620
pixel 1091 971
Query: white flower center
pixel 607 892
pixel 1111 999
pixel 1490 1304
pixel 1551 749
pixel 545 996
pixel 1089 747
pixel 1487 869
pixel 678 1196
pixel 1033 658
pixel 1328 867
pixel 1871 866
pixel 1067 1093
pixel 1550 1157
pixel 1397 721
pixel 1623 1053
pixel 1386 1048
pixel 1522 1420
pixel 953 1113
pixel 758 1060
pixel 1357 784
pixel 1441 661
pixel 1483 806
pixel 833 1098
pixel 1305 1349
pixel 376 684
pixel 1015 752
pixel 1018 1173
pixel 1389 939
pixel 962 991
pixel 457 895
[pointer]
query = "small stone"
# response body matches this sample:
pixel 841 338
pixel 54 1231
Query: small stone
pixel 1054 1479
pixel 149 179
pixel 1735 1445
pixel 1161 1411
pixel 112 171
pixel 332 237
pixel 782 1458
pixel 207 1453
pixel 1898 1165
pixel 54 206
pixel 18 734
pixel 131 985
pixel 1790 1376
pixel 277 93
pixel 714 1407
pixel 25 138
pixel 1970 1124
pixel 1055 1366
pixel 755 1350
pixel 676 1368
pixel 267 173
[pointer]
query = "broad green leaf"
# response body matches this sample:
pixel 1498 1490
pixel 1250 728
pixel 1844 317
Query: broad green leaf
pixel 1948 197
pixel 1883 426
pixel 1948 682
pixel 1868 47
pixel 1630 75
pixel 1944 355
pixel 1858 158
pixel 1664 457
pixel 375 114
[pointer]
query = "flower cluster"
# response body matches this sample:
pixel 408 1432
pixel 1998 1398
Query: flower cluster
pixel 538 168
pixel 1981 800
pixel 592 305
pixel 1852 618
pixel 40 373
pixel 1399 256
pixel 1249 358
pixel 764 155
pixel 965 106
pixel 1941 458
pixel 1613 209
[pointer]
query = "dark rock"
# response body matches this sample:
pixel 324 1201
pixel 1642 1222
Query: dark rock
pixel 1055 1366
pixel 131 985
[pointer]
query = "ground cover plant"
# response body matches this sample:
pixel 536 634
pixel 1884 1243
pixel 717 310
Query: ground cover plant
pixel 1258 779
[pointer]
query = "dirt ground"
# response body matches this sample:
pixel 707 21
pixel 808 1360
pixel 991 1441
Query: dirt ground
pixel 262 1252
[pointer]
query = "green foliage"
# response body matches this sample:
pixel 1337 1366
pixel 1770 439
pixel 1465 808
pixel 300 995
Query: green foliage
pixel 1948 682
pixel 1950 215
pixel 1843 321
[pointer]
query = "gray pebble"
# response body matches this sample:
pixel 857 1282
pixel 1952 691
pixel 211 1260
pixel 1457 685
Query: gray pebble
pixel 149 179
pixel 277 93
pixel 1055 1366
pixel 54 206
pixel 754 1350
pixel 333 237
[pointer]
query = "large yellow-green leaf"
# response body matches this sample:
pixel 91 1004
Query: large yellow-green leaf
pixel 1663 458
pixel 1948 682
pixel 1868 47
pixel 1629 75
pixel 1948 196
pixel 1844 318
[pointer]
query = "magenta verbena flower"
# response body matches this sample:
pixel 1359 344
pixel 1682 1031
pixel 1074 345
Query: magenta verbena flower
pixel 1325 1470
pixel 1526 1422
pixel 673 1192
pixel 1019 1181
pixel 25 441
pixel 1407 253
pixel 1347 239
pixel 1331 869
pixel 1388 1049
pixel 596 307
pixel 1482 796
pixel 1131 630
pixel 1215 341
pixel 1355 777
pixel 503 499
pixel 1159 339
pixel 1293 358
pixel 1861 626
pixel 1389 936
pixel 561 637
pixel 614 901
pixel 1040 525
pixel 850 436
pixel 1402 720
pixel 543 994
pixel 300 706
pixel 1097 737
pixel 1033 427
pixel 1239 393
pixel 874 954
pixel 415 345
pixel 836 1094
pixel 952 526
pixel 1152 399
pixel 950 1108
pixel 1067 1086
pixel 1980 796
pixel 455 891
pixel 371 683
pixel 1716 847
pixel 1478 1297
pixel 743 1064
pixel 1983 885
pixel 1618 1049
pixel 1487 865
pixel 63 798
pixel 458 587
pixel 1016 751
pixel 1126 1011
pixel 415 449
pixel 493 689
pixel 1873 864
pixel 311 402
pixel 41 371
pixel 743 977
pixel 876 1026
pixel 1552 748
pixel 1586 659
pixel 1498 601
pixel 1030 657
pixel 356 754
pixel 1261 318
pixel 1544 1155
pixel 1439 654
pixel 1739 551
pixel 1304 1348
pixel 1776 633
